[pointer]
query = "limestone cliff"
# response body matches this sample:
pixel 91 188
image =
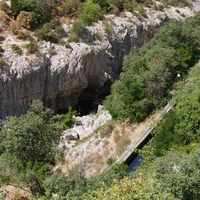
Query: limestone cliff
pixel 81 71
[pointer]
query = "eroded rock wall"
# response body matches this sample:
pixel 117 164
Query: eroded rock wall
pixel 59 80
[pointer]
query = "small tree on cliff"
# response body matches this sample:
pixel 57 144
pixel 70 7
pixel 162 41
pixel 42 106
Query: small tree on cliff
pixel 27 147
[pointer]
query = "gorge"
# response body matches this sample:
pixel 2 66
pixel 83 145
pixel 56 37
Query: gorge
pixel 79 71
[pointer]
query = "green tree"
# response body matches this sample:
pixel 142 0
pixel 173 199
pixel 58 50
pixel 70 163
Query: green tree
pixel 178 173
pixel 40 10
pixel 89 12
pixel 149 72
pixel 181 127
pixel 28 145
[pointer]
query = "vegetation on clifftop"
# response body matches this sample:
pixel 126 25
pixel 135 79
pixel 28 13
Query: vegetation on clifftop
pixel 149 73
pixel 40 15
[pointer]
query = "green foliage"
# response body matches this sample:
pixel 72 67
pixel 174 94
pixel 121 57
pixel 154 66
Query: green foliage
pixel 141 187
pixel 141 11
pixel 70 7
pixel 51 31
pixel 89 12
pixel 149 72
pixel 32 47
pixel 16 48
pixel 3 64
pixel 174 176
pixel 31 140
pixel 28 145
pixel 82 186
pixel 40 10
pixel 176 3
pixel 67 119
pixel 15 5
pixel 108 26
pixel 56 185
pixel 110 161
pixel 181 127
pixel 179 174
pixel 102 3
pixel 78 28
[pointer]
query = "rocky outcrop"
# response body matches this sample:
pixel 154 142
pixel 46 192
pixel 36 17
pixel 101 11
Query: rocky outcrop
pixel 82 71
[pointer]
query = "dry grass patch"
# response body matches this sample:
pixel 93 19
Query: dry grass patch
pixel 106 130
pixel 4 21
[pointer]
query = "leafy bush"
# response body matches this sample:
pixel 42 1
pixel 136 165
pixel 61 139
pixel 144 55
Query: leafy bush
pixel 16 48
pixel 176 3
pixel 3 64
pixel 32 47
pixel 73 37
pixel 47 33
pixel 78 28
pixel 67 119
pixel 108 25
pixel 180 128
pixel 89 12
pixel 141 11
pixel 29 147
pixel 70 7
pixel 102 3
pixel 56 185
pixel 40 9
pixel 51 31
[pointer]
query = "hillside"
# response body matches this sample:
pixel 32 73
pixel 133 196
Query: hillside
pixel 65 53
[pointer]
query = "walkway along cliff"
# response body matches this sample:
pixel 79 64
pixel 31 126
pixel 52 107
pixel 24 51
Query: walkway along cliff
pixel 143 136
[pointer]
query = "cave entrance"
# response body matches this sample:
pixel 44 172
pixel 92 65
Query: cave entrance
pixel 86 101
pixel 91 98
pixel 86 107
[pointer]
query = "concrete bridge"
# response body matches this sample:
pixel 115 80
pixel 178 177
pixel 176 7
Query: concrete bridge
pixel 143 137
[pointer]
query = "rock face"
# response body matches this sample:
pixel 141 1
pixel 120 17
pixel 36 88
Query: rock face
pixel 84 126
pixel 81 71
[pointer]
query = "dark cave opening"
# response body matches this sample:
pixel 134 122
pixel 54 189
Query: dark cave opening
pixel 91 98
pixel 86 107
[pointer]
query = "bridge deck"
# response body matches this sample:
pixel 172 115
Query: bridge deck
pixel 143 135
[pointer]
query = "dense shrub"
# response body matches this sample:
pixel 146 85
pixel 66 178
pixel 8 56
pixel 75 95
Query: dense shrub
pixel 176 3
pixel 29 144
pixel 51 31
pixel 40 9
pixel 70 7
pixel 89 12
pixel 3 64
pixel 78 28
pixel 24 19
pixel 56 184
pixel 150 71
pixel 16 48
pixel 32 47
